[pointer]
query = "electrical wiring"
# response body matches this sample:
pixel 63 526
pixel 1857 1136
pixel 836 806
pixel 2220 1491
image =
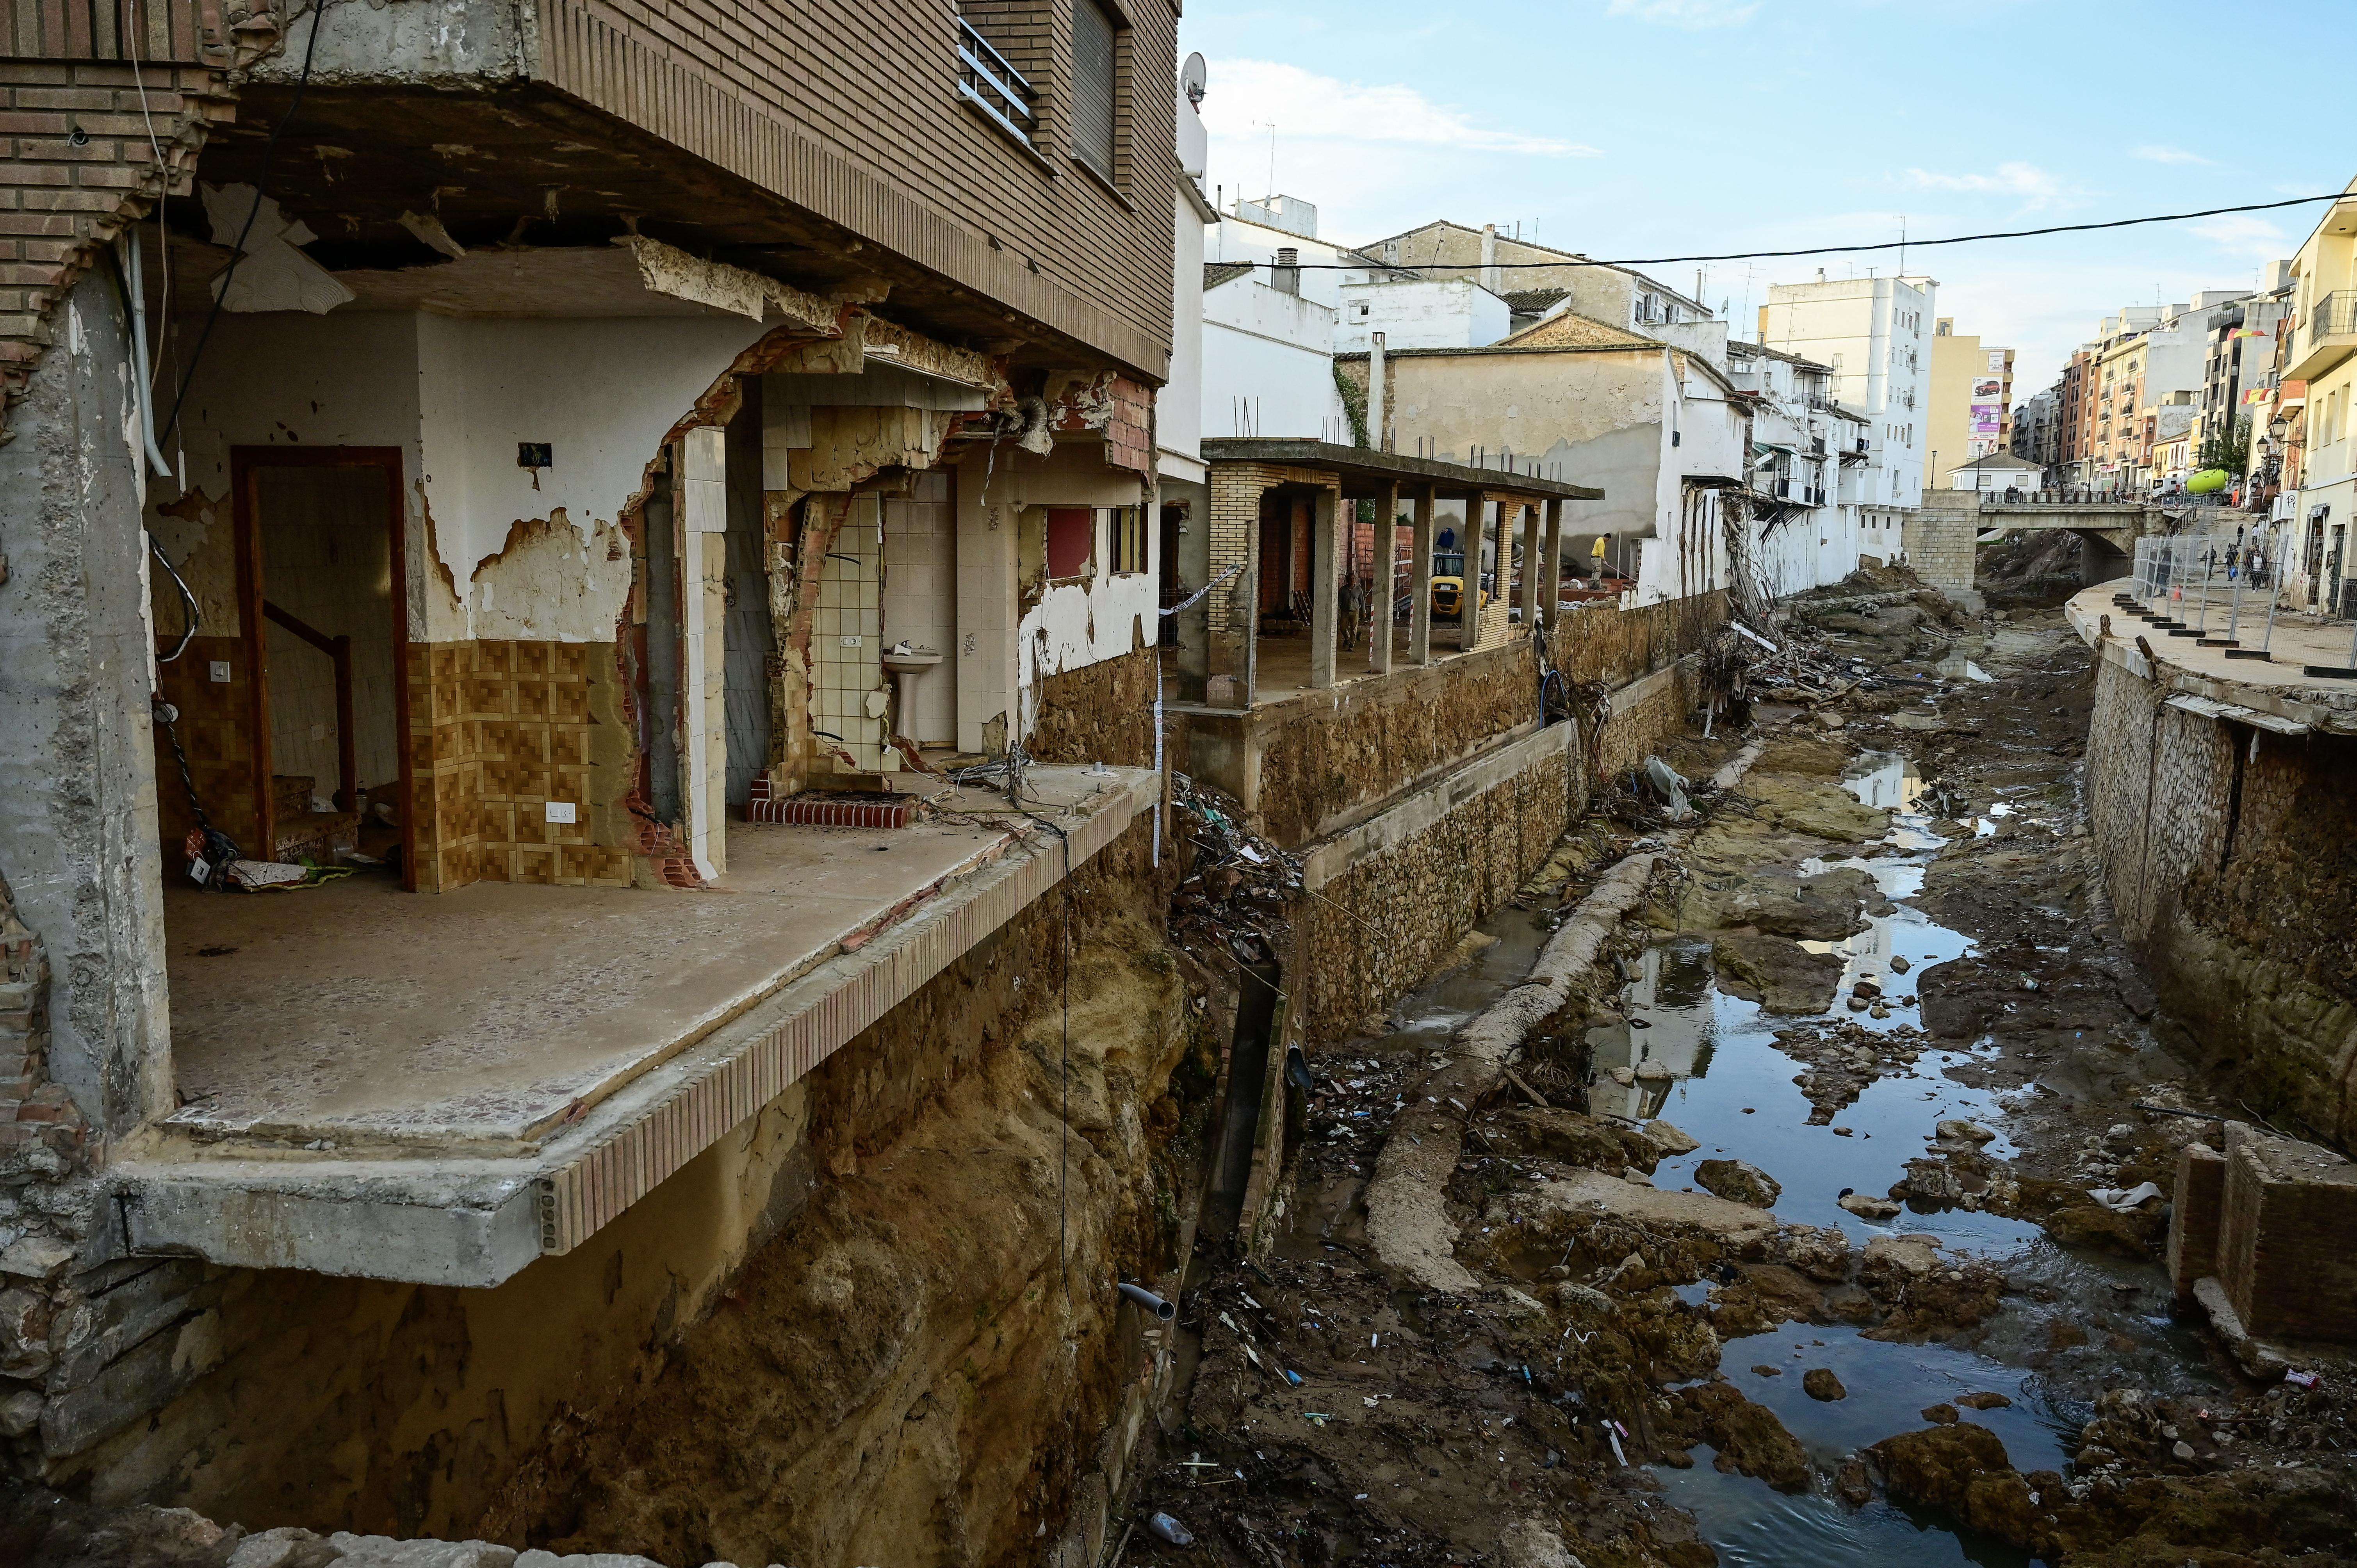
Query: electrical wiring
pixel 1571 260
pixel 237 251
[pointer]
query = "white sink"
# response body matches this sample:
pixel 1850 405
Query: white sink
pixel 904 664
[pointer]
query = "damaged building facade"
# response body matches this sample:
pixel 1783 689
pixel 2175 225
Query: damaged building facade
pixel 581 472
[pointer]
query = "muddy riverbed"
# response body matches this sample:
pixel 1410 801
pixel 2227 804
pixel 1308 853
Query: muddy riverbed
pixel 1781 1234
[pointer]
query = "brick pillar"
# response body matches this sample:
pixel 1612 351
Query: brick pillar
pixel 1231 544
pixel 1327 534
pixel 1468 603
pixel 1384 581
pixel 1529 593
pixel 1418 584
pixel 1551 561
pixel 2194 1217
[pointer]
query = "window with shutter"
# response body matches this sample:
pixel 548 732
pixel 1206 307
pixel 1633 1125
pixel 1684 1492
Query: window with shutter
pixel 1092 86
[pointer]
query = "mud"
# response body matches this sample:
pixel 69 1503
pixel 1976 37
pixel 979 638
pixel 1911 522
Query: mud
pixel 1890 932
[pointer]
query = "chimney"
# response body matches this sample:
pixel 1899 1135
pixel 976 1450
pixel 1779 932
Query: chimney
pixel 1490 258
pixel 1376 433
pixel 1286 278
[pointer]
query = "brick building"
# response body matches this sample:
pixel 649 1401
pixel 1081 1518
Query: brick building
pixel 488 468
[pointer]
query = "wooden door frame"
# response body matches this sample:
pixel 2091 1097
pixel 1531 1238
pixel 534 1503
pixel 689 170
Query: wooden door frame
pixel 245 465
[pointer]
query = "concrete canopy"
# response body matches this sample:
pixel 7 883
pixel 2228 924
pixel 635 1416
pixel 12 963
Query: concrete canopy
pixel 1366 474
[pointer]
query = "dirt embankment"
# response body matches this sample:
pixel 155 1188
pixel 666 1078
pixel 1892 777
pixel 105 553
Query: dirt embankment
pixel 919 1370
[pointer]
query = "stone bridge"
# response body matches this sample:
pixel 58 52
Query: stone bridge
pixel 2110 528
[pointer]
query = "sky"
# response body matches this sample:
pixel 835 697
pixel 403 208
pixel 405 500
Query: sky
pixel 1641 128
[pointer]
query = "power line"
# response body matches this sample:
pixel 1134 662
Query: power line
pixel 1572 261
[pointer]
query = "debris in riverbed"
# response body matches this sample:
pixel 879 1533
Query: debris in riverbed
pixel 1237 889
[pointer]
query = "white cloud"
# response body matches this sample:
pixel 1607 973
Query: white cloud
pixel 2244 235
pixel 2161 155
pixel 2010 179
pixel 1249 95
pixel 1691 16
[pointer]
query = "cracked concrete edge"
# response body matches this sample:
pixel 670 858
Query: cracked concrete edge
pixel 1407 1219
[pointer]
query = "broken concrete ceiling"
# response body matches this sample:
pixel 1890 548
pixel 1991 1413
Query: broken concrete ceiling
pixel 524 169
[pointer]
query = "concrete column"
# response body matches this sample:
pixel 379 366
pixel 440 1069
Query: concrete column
pixel 1327 533
pixel 1551 561
pixel 1419 583
pixel 1529 593
pixel 1386 581
pixel 79 832
pixel 985 653
pixel 703 562
pixel 1468 603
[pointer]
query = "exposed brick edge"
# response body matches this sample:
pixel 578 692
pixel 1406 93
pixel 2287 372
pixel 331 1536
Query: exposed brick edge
pixel 61 205
pixel 804 812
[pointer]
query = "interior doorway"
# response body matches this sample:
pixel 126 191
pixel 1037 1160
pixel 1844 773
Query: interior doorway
pixel 324 612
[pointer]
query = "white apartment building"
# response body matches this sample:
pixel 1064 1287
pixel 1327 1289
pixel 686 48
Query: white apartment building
pixel 1874 335
pixel 1811 463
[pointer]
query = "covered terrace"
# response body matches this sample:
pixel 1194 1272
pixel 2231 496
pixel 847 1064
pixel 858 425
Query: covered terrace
pixel 1300 579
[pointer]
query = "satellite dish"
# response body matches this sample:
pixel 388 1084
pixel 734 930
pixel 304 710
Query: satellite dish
pixel 1192 78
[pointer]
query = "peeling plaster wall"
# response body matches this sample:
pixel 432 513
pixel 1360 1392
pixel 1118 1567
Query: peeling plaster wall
pixel 283 380
pixel 603 392
pixel 490 557
pixel 1072 625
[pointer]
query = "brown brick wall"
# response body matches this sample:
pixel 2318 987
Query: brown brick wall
pixel 851 109
pixel 60 200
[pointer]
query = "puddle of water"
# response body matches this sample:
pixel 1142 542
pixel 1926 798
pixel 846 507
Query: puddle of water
pixel 1888 1386
pixel 1710 1062
pixel 1719 1074
pixel 1750 1526
pixel 1883 780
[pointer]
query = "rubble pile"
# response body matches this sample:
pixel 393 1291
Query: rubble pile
pixel 1351 1112
pixel 1238 888
pixel 1842 1059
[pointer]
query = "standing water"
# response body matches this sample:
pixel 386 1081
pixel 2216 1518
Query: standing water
pixel 1712 1065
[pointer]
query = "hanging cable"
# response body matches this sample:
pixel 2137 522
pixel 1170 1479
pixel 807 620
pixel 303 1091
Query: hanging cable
pixel 212 851
pixel 191 617
pixel 237 251
pixel 1577 260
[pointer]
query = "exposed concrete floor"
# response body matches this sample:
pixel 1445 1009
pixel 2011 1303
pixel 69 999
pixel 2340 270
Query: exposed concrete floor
pixel 2297 639
pixel 354 1010
pixel 1284 660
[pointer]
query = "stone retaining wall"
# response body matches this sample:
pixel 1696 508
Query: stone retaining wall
pixel 2229 854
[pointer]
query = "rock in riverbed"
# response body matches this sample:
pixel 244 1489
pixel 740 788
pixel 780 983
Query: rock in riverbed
pixel 1738 1181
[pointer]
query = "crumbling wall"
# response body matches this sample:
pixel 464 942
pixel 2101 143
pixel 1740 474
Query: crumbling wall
pixel 78 828
pixel 1356 745
pixel 1391 916
pixel 1099 713
pixel 2229 854
pixel 919 1370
